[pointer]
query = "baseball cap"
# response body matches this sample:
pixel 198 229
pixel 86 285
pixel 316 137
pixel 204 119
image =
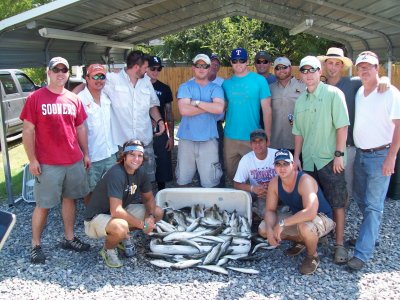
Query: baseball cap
pixel 368 57
pixel 263 54
pixel 282 61
pixel 58 60
pixel 258 134
pixel 96 69
pixel 311 61
pixel 284 155
pixel 214 56
pixel 202 57
pixel 155 61
pixel 239 53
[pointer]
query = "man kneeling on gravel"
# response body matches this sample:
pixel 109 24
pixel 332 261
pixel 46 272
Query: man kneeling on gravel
pixel 114 209
pixel 312 215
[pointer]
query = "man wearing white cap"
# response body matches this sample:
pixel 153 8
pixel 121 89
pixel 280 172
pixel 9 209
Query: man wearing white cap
pixel 320 128
pixel 335 62
pixel 284 94
pixel 377 138
pixel 200 102
pixel 98 108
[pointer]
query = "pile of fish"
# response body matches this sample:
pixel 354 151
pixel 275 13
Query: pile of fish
pixel 203 238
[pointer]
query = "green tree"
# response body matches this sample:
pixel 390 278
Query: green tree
pixel 9 8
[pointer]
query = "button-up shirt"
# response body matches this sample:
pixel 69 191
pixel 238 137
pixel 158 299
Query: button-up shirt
pixel 98 122
pixel 283 99
pixel 317 116
pixel 130 107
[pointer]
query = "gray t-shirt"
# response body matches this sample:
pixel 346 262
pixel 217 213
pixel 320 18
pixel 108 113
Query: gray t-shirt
pixel 116 183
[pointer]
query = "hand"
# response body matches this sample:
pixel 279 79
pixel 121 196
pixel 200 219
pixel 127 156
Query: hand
pixel 260 191
pixel 297 163
pixel 161 128
pixel 34 168
pixel 277 232
pixel 383 84
pixel 170 144
pixel 86 162
pixel 271 239
pixel 388 165
pixel 148 225
pixel 338 165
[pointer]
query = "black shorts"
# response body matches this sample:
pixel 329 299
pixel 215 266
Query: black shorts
pixel 333 185
pixel 163 159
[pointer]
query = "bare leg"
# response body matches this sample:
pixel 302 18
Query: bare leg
pixel 39 218
pixel 117 230
pixel 339 218
pixel 310 238
pixel 68 215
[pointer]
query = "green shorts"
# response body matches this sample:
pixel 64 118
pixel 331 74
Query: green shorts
pixel 98 169
pixel 60 181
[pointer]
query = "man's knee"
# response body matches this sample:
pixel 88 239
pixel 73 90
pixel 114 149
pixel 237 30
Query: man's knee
pixel 262 230
pixel 306 231
pixel 117 228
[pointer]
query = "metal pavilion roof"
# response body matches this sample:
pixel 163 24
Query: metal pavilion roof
pixel 91 30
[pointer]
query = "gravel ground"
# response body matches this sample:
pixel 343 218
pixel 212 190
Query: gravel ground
pixel 70 275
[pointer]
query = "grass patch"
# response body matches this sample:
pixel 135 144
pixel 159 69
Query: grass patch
pixel 18 159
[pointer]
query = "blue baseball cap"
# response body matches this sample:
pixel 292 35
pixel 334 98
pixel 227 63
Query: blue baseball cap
pixel 239 53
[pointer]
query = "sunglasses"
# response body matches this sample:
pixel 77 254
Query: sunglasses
pixel 155 69
pixel 282 164
pixel 201 66
pixel 311 70
pixel 57 70
pixel 278 68
pixel 240 61
pixel 99 76
pixel 262 62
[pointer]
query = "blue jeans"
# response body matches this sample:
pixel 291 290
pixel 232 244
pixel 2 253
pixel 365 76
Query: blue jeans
pixel 369 191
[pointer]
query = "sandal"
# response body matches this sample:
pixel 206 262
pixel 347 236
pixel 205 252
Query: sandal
pixel 341 255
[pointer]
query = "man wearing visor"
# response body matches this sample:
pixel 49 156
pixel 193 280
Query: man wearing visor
pixel 114 209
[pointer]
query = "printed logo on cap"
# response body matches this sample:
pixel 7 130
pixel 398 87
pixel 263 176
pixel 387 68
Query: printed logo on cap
pixel 238 51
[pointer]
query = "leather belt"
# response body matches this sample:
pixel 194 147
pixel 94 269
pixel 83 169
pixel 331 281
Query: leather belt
pixel 387 146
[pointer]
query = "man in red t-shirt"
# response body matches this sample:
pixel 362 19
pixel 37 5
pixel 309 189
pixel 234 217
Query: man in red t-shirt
pixel 55 141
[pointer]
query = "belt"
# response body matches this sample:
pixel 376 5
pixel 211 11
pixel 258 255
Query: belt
pixel 387 146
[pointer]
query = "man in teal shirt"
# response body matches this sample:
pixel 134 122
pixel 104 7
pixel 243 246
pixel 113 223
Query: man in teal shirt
pixel 320 127
pixel 245 94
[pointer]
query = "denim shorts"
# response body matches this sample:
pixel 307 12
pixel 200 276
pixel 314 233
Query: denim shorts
pixel 333 185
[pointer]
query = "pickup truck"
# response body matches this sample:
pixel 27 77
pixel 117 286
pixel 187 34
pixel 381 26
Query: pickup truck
pixel 15 87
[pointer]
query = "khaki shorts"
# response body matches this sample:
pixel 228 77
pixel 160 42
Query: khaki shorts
pixel 321 225
pixel 60 181
pixel 96 227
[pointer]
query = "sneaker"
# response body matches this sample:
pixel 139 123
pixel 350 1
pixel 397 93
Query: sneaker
pixel 296 249
pixel 309 265
pixel 355 263
pixel 127 247
pixel 37 255
pixel 111 258
pixel 76 245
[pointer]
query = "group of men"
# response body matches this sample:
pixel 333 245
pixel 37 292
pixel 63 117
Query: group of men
pixel 308 117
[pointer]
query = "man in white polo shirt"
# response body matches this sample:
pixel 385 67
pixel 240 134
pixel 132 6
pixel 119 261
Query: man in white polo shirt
pixel 377 138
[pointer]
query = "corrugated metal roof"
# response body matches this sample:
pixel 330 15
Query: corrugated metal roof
pixel 358 24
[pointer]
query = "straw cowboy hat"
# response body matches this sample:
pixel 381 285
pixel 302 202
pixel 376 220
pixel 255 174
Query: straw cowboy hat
pixel 336 53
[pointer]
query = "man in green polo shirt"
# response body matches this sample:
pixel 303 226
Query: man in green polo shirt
pixel 320 128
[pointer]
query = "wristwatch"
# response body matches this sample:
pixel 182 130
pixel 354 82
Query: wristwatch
pixel 196 103
pixel 282 223
pixel 339 153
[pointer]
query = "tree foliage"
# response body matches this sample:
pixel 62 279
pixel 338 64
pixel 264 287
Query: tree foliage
pixel 223 35
pixel 9 8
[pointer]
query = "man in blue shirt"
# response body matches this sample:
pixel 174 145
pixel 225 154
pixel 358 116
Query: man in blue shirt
pixel 200 102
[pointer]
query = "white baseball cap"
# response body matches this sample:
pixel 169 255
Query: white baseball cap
pixel 202 57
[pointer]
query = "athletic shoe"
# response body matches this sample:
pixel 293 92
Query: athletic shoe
pixel 111 258
pixel 76 245
pixel 296 249
pixel 309 265
pixel 355 264
pixel 37 255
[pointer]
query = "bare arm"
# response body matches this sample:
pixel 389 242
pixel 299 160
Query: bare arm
pixel 79 88
pixel 267 115
pixel 341 136
pixel 28 139
pixel 170 123
pixel 150 205
pixel 156 116
pixel 270 216
pixel 390 160
pixel 81 132
pixel 298 145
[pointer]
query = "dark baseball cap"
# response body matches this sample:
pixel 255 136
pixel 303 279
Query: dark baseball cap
pixel 258 134
pixel 155 61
